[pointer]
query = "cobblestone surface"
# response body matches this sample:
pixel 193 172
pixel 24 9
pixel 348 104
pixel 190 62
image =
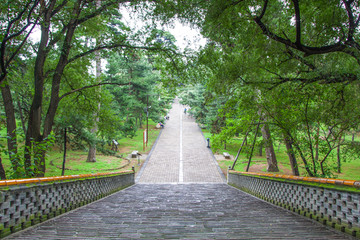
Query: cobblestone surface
pixel 180 211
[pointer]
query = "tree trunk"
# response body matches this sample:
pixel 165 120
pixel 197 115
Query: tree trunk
pixel 317 143
pixel 34 122
pixel 64 158
pixel 303 158
pixel 269 149
pixel 92 147
pixel 239 151
pixel 33 134
pixel 92 153
pixel 11 127
pixel 2 171
pixel 253 145
pixel 338 159
pixel 21 117
pixel 338 156
pixel 140 120
pixel 292 157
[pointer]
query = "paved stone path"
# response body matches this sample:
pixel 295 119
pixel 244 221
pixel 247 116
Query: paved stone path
pixel 180 211
pixel 181 154
pixel 189 201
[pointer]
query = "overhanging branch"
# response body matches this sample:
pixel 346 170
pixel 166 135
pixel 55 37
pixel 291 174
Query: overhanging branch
pixel 321 79
pixel 91 86
pixel 299 58
pixel 308 50
pixel 337 47
pixel 119 45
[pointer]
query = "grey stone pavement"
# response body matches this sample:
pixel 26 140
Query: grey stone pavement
pixel 180 154
pixel 180 194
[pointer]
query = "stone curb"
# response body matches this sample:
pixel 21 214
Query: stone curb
pixel 147 158
pixel 338 182
pixel 4 183
pixel 214 158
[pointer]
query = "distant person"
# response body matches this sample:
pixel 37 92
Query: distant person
pixel 115 145
pixel 185 110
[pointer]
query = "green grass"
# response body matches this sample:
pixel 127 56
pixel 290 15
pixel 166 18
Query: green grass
pixel 350 170
pixel 130 144
pixel 76 160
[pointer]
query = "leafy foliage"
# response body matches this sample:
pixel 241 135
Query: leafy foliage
pixel 56 88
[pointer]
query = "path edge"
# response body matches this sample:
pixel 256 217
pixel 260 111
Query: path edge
pixel 346 236
pixel 214 159
pixel 147 158
pixel 33 227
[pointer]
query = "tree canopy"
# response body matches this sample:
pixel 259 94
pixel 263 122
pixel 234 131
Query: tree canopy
pixel 295 62
pixel 290 65
pixel 57 69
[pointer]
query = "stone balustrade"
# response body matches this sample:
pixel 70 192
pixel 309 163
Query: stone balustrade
pixel 26 202
pixel 332 202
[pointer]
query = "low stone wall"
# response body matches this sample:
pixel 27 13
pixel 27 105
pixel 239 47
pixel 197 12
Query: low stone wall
pixel 330 201
pixel 26 202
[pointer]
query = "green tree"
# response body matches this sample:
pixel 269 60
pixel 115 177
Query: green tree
pixel 265 44
pixel 18 20
pixel 144 87
pixel 66 31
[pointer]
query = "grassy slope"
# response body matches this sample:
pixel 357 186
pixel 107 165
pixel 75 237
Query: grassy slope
pixel 76 160
pixel 350 170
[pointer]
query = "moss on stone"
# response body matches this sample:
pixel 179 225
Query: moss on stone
pixel 26 224
pixel 15 228
pixel 44 218
pixel 5 232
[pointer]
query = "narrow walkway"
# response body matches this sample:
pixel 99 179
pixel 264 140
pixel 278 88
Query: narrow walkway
pixel 190 200
pixel 181 154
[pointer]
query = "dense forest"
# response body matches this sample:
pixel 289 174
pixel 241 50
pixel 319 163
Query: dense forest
pixel 284 70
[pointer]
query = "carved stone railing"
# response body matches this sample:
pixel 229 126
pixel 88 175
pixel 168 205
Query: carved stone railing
pixel 333 202
pixel 26 202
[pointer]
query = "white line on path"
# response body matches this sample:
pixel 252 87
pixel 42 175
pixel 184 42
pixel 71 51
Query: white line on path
pixel 181 168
